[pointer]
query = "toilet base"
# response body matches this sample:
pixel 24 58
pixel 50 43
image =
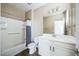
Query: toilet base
pixel 32 51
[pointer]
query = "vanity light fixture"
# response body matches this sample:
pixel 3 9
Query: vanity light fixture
pixel 29 3
pixel 53 10
pixel 50 12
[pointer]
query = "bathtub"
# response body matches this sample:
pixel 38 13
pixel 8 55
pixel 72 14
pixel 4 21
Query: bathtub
pixel 14 50
pixel 58 45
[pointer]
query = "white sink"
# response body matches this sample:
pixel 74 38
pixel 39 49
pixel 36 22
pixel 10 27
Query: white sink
pixel 66 39
pixel 61 38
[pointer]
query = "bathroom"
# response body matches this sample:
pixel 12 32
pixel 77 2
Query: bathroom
pixel 39 29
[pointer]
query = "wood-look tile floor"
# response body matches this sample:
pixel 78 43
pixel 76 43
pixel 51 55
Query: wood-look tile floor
pixel 26 53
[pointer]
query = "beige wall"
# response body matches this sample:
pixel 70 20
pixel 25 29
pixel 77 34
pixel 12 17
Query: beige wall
pixel 37 24
pixel 12 12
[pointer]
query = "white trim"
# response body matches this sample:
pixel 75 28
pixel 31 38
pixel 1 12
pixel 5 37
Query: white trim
pixel 13 51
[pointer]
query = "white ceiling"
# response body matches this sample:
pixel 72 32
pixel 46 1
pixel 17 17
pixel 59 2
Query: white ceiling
pixel 27 6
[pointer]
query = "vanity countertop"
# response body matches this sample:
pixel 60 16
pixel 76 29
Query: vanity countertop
pixel 65 39
pixel 60 38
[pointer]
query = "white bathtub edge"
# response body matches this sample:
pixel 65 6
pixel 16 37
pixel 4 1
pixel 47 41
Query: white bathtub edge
pixel 13 51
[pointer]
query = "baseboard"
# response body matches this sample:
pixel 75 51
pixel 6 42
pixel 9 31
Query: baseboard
pixel 13 51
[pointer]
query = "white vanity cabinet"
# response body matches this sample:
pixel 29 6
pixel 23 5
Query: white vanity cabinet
pixel 63 49
pixel 55 48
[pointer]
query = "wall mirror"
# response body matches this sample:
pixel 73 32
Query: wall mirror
pixel 63 23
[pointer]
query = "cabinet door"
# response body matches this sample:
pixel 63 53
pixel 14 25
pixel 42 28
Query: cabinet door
pixel 59 51
pixel 44 47
pixel 63 49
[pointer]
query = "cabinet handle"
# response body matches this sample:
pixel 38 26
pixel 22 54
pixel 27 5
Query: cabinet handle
pixel 50 48
pixel 53 49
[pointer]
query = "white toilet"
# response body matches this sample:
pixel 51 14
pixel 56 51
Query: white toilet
pixel 32 46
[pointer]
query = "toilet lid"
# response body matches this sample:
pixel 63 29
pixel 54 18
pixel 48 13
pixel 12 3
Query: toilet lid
pixel 31 44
